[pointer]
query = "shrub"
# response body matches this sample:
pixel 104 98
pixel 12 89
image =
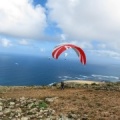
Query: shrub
pixel 93 84
pixel 43 105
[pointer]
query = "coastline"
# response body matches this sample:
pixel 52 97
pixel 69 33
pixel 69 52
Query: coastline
pixel 83 82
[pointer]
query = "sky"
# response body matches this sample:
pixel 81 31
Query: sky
pixel 35 27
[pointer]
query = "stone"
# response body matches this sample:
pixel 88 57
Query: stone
pixel 18 110
pixel 41 111
pixel 24 118
pixel 6 111
pixel 73 116
pixel 12 114
pixel 30 105
pixel 63 117
pixel 49 100
pixel 53 112
pixel 1 113
pixel 1 103
pixel 34 110
pixel 12 103
pixel 1 108
pixel 22 98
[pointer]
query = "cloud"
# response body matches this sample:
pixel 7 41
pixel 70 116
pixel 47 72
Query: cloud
pixel 87 20
pixel 101 46
pixel 21 19
pixel 63 37
pixel 106 53
pixel 5 42
pixel 23 42
pixel 85 45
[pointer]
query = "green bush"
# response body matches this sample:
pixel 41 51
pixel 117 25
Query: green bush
pixel 93 84
pixel 43 105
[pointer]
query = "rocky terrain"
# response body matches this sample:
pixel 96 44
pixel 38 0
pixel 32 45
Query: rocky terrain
pixel 75 102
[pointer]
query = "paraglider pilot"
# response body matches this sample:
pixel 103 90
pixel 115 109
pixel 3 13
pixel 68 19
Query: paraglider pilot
pixel 62 85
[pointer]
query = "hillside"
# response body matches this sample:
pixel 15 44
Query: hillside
pixel 75 102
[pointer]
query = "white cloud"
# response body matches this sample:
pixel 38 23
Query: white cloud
pixel 85 45
pixel 106 53
pixel 101 46
pixel 5 42
pixel 63 37
pixel 88 20
pixel 19 18
pixel 23 42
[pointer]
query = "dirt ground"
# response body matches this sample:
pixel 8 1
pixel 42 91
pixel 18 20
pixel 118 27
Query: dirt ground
pixel 96 104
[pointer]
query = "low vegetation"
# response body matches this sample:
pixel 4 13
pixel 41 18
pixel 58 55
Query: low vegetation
pixel 85 102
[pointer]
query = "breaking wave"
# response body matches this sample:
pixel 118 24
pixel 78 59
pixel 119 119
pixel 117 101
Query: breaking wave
pixel 91 77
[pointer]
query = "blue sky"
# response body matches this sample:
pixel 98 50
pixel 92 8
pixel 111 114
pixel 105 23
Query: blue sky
pixel 35 27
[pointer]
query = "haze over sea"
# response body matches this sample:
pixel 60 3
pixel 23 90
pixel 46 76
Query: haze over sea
pixel 36 70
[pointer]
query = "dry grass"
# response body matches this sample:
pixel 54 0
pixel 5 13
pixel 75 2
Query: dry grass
pixel 97 105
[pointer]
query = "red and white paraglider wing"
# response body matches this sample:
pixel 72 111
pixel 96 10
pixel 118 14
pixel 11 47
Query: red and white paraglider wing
pixel 57 51
pixel 61 48
pixel 81 55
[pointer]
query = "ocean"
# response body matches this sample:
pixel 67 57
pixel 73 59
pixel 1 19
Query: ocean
pixel 25 70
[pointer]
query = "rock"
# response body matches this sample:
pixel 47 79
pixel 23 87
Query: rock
pixel 22 98
pixel 34 110
pixel 45 111
pixel 72 116
pixel 7 110
pixel 41 111
pixel 1 99
pixel 17 104
pixel 24 118
pixel 53 112
pixel 1 103
pixel 12 103
pixel 29 101
pixel 49 100
pixel 18 110
pixel 36 103
pixel 40 116
pixel 1 113
pixel 30 105
pixel 12 114
pixel 63 117
pixel 34 100
pixel 1 108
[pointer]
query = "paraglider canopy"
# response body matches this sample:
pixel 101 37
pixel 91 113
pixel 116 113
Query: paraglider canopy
pixel 61 48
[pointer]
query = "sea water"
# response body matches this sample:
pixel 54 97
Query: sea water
pixel 36 70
